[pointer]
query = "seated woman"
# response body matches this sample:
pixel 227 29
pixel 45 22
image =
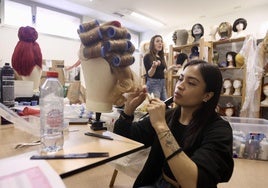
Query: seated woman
pixel 191 145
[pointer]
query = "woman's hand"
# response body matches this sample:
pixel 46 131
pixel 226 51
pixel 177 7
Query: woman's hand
pixel 134 99
pixel 156 63
pixel 157 111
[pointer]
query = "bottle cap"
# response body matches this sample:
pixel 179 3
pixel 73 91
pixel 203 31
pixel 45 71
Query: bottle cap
pixel 52 74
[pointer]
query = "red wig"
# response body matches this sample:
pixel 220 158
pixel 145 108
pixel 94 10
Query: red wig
pixel 27 52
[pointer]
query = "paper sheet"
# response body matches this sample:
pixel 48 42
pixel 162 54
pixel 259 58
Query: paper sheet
pixel 21 172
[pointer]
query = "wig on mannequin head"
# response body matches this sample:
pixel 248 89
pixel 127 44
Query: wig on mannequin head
pixel 225 30
pixel 233 54
pixel 238 21
pixel 27 53
pixel 106 55
pixel 199 35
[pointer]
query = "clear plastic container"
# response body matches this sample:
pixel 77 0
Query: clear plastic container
pixel 249 137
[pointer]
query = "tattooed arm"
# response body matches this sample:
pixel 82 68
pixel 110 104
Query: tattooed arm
pixel 182 167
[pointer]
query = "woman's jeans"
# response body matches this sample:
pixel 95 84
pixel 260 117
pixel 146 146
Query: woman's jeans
pixel 157 87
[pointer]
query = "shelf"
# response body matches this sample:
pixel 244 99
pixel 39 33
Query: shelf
pixel 231 68
pixel 233 96
pixel 205 48
pixel 226 41
pixel 232 73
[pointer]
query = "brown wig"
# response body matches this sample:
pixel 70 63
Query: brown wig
pixel 153 52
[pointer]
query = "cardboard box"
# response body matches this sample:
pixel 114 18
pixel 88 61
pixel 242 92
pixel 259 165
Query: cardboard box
pixel 249 137
pixel 53 65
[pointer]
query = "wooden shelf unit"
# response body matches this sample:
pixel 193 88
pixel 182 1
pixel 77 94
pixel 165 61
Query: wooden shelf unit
pixel 205 53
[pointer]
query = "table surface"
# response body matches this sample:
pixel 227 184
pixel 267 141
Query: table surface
pixel 247 173
pixel 75 142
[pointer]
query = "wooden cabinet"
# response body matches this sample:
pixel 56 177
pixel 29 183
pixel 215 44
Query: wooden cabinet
pixel 205 53
pixel 230 98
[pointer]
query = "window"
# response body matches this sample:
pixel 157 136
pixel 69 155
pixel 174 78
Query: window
pixel 45 19
pixel 55 23
pixel 17 14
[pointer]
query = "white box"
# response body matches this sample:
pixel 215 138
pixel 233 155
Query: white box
pixel 23 88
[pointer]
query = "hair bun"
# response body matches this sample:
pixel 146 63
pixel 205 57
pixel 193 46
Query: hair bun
pixel 27 34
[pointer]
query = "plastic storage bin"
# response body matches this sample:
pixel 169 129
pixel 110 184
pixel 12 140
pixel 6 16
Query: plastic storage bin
pixel 249 137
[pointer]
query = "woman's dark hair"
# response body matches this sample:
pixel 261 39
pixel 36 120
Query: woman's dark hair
pixel 153 52
pixel 201 27
pixel 237 21
pixel 212 77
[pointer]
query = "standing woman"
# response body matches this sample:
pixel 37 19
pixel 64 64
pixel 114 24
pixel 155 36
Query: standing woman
pixel 191 145
pixel 155 66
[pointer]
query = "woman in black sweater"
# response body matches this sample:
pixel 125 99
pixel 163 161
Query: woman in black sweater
pixel 191 145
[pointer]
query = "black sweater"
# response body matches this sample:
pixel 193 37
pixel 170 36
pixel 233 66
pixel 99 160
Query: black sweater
pixel 211 150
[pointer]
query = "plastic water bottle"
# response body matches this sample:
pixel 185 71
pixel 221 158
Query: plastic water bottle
pixel 51 114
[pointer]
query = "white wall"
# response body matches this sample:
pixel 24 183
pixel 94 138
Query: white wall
pixel 66 49
pixel 51 47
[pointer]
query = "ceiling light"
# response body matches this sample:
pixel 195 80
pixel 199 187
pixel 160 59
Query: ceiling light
pixel 146 19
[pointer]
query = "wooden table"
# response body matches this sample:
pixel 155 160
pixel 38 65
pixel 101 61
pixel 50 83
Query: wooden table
pixel 247 173
pixel 75 142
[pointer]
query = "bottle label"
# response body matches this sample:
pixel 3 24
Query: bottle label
pixel 8 90
pixel 55 118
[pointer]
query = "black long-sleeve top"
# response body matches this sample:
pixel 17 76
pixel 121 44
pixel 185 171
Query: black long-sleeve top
pixel 159 72
pixel 211 150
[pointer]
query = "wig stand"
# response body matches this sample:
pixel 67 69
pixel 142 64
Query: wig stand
pixel 97 124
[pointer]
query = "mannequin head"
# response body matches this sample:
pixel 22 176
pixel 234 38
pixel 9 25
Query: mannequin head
pixel 229 109
pixel 180 37
pixel 230 59
pixel 265 89
pixel 27 56
pixel 144 47
pixel 239 27
pixel 237 85
pixel 225 30
pixel 197 31
pixel 227 85
pixel 181 58
pixel 215 58
pixel 264 48
pixel 213 32
pixel 105 67
pixel 239 24
pixel 265 92
pixel 194 53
